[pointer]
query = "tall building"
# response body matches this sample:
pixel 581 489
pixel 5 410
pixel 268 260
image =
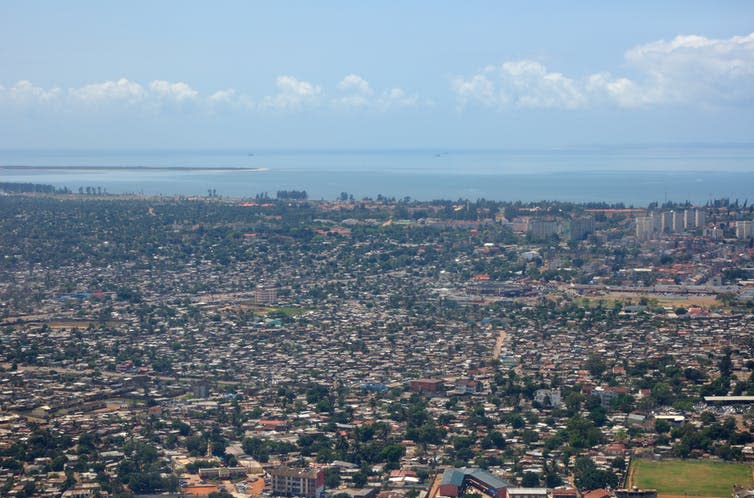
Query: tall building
pixel 581 227
pixel 700 217
pixel 265 294
pixel 287 481
pixel 645 227
pixel 666 222
pixel 744 229
pixel 542 229
pixel 713 233
pixel 677 221
pixel 689 221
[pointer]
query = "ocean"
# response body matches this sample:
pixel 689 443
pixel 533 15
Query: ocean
pixel 633 175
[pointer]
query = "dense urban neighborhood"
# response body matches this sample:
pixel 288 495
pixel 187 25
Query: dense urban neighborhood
pixel 372 348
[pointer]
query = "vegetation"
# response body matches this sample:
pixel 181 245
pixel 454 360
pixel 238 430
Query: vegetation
pixel 689 478
pixel 161 289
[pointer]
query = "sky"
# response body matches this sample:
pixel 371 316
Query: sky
pixel 368 74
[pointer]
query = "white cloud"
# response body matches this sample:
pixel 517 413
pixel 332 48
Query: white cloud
pixel 131 92
pixel 25 92
pixel 226 96
pixel 293 94
pixel 355 83
pixel 477 89
pixel 357 101
pixel 230 99
pixel 356 92
pixel 101 94
pixel 121 90
pixel 178 92
pixel 603 88
pixel 688 70
pixel 521 83
pixel 697 69
pixel 529 84
pixel 397 98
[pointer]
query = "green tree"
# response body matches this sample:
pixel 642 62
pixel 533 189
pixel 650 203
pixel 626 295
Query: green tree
pixel 530 480
pixel 662 394
pixel 553 480
pixel 587 476
pixel 595 365
pixel 332 477
pixel 360 478
pixel 220 494
pixel 662 426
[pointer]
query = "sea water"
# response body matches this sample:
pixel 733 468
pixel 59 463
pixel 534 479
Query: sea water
pixel 633 175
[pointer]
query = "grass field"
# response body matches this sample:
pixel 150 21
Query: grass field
pixel 689 478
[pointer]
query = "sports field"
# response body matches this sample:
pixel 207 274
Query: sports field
pixel 688 477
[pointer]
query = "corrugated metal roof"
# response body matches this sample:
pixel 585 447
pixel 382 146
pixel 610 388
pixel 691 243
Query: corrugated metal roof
pixel 456 476
pixel 452 476
pixel 489 479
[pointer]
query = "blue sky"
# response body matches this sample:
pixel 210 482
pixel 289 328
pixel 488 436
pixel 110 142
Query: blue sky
pixel 179 74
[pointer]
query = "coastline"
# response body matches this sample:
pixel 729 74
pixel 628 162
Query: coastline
pixel 202 169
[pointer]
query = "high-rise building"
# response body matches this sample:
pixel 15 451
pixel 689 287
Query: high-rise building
pixel 542 229
pixel 287 481
pixel 700 217
pixel 744 229
pixel 264 294
pixel 689 221
pixel 645 228
pixel 677 221
pixel 666 222
pixel 581 227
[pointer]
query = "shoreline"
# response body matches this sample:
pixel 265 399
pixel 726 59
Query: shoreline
pixel 130 168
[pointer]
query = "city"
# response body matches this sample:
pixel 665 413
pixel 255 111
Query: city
pixel 369 249
pixel 204 346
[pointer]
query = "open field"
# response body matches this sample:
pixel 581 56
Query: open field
pixel 279 310
pixel 674 300
pixel 682 496
pixel 609 299
pixel 689 478
pixel 687 301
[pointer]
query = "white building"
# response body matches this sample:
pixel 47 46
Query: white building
pixel 744 229
pixel 645 227
pixel 677 221
pixel 700 217
pixel 689 220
